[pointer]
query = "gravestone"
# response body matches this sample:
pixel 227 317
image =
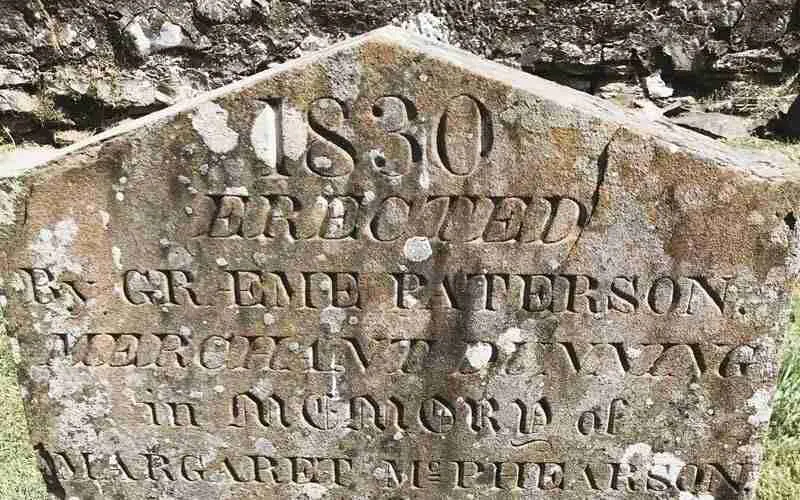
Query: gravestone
pixel 395 270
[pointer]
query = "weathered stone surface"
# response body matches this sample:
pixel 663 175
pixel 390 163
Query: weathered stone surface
pixel 717 125
pixel 582 43
pixel 394 270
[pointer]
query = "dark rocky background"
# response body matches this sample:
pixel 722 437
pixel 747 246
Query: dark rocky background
pixel 69 68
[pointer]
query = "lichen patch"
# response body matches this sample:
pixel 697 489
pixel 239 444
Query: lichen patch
pixel 51 249
pixel 210 120
pixel 417 249
pixel 759 404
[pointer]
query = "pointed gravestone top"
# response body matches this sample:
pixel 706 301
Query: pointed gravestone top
pixel 395 270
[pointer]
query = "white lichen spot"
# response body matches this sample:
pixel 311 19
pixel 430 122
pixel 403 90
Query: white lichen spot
pixel 295 137
pixel 759 403
pixel 120 196
pixel 84 402
pixel 264 137
pixel 509 340
pixel 268 319
pixel 260 259
pixel 210 120
pixel 639 453
pixel 219 389
pixel 184 180
pixel 116 257
pixel 428 25
pixel 685 495
pixel 188 210
pixel 380 473
pixel 314 491
pixel 105 218
pixel 417 249
pixel 333 318
pixel 221 261
pixel 693 197
pixel 667 465
pixel 322 163
pixel 264 446
pixel 424 178
pixel 478 355
pixel 344 75
pixel 51 248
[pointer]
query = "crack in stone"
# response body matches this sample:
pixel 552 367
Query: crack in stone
pixel 602 168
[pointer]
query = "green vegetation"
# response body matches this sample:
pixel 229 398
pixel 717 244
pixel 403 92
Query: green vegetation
pixel 19 479
pixel 780 476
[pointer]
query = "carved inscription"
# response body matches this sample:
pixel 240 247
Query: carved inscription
pixel 464 136
pixel 329 154
pixel 460 475
pixel 447 218
pixel 289 353
pixel 553 293
pixel 43 287
pixel 397 293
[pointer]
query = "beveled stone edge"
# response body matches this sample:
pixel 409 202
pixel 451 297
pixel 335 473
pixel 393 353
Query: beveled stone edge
pixel 766 166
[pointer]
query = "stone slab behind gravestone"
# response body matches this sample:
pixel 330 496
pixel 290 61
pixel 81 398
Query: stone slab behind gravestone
pixel 395 270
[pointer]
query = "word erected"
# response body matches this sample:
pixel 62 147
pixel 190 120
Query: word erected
pixel 446 218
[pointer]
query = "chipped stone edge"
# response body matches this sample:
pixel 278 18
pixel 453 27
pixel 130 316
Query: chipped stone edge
pixel 772 166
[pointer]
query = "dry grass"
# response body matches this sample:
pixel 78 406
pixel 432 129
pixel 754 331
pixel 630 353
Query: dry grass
pixel 790 149
pixel 755 100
